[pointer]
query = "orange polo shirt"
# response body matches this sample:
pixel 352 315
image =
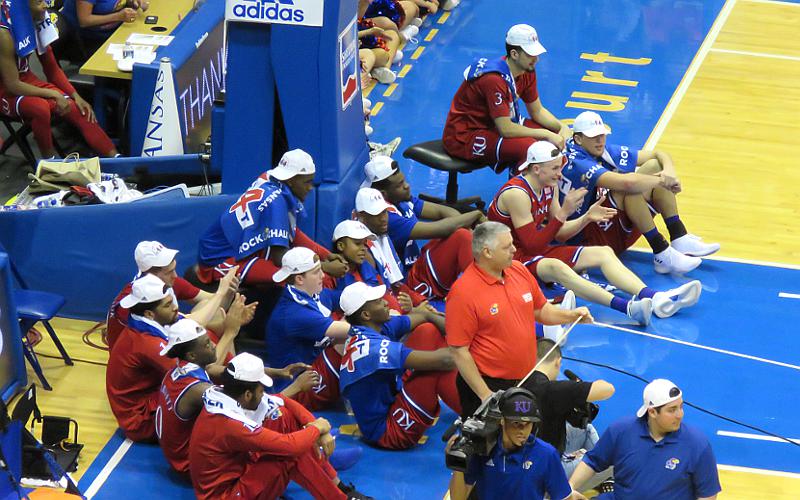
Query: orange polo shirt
pixel 495 318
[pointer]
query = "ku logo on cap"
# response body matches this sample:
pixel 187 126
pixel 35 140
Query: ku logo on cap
pixel 522 406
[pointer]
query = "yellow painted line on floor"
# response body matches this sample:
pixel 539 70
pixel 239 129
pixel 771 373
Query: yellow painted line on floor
pixel 443 18
pixel 389 91
pixel 403 72
pixel 417 53
pixel 376 109
pixel 431 34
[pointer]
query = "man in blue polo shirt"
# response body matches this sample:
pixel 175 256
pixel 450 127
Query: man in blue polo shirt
pixel 301 329
pixel 642 183
pixel 521 466
pixel 654 455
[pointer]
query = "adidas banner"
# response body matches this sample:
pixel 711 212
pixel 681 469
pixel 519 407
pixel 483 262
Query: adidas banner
pixel 296 12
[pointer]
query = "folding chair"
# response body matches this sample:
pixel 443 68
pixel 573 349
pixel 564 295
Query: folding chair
pixel 19 136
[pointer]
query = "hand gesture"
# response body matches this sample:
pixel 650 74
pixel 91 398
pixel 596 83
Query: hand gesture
pixel 62 105
pixel 289 371
pixel 249 313
pixel 406 304
pixel 322 425
pixel 670 183
pixel 233 317
pixel 85 108
pixel 556 139
pixel 230 282
pixel 597 212
pixel 127 15
pixel 571 202
pixel 306 381
pixel 334 265
pixel 583 313
pixel 327 443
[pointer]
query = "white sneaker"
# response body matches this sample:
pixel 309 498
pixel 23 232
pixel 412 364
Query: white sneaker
pixel 417 21
pixel 368 129
pixel 554 332
pixel 366 103
pixel 667 303
pixel 388 149
pixel 693 246
pixel 409 32
pixel 384 75
pixel 450 4
pixel 672 261
pixel 398 56
pixel 640 311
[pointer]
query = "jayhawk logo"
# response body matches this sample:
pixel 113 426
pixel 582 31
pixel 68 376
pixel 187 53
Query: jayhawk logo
pixel 672 464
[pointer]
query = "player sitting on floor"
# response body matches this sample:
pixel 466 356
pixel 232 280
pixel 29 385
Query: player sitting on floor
pixel 529 205
pixel 391 415
pixel 301 328
pixel 256 231
pixel 247 444
pixel 154 258
pixel 485 124
pixel 181 396
pixel 641 184
pixel 433 271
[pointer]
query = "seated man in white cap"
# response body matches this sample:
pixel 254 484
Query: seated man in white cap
pixel 373 363
pixel 432 271
pixel 154 258
pixel 181 396
pixel 301 328
pixel 135 365
pixel 485 124
pixel 261 226
pixel 654 454
pixel 248 444
pixel 642 183
pixel 529 205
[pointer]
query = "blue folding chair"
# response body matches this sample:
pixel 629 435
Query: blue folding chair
pixel 34 306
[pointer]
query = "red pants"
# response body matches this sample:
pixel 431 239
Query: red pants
pixel 327 392
pixel 487 147
pixel 417 405
pixel 619 233
pixel 567 254
pixel 38 112
pixel 440 263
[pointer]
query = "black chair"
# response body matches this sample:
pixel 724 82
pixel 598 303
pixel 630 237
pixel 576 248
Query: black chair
pixel 433 155
pixel 19 136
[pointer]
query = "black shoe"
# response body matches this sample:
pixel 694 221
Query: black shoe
pixel 606 486
pixel 352 493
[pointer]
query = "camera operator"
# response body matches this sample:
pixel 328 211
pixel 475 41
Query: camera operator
pixel 564 403
pixel 492 311
pixel 520 465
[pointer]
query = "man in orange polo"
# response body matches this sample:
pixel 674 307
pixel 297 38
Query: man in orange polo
pixel 491 317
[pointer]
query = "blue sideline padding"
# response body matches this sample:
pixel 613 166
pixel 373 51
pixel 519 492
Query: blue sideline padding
pixel 174 164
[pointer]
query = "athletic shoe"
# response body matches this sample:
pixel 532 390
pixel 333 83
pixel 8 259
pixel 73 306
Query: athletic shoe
pixel 383 75
pixel 417 21
pixel 387 149
pixel 368 129
pixel 693 246
pixel 398 56
pixel 409 32
pixel 672 261
pixel 667 303
pixel 450 4
pixel 640 311
pixel 554 332
pixel 351 492
pixel 366 104
pixel 344 458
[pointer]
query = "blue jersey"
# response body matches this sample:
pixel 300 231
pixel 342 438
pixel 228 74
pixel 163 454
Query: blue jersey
pixel 583 170
pixel 527 473
pixel 297 326
pixel 679 467
pixel 369 377
pixel 264 216
pixel 403 217
pixel 99 8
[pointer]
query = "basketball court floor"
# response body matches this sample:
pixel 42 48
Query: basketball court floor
pixel 712 82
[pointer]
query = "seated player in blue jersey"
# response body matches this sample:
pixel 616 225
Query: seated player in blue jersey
pixel 301 328
pixel 529 205
pixel 393 388
pixel 261 226
pixel 637 183
pixel 520 466
pixel 432 271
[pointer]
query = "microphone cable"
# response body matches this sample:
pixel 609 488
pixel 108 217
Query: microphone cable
pixel 698 408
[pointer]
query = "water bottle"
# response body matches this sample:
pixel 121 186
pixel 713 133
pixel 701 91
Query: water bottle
pixel 127 51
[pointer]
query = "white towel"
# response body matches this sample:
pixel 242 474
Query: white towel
pixel 46 32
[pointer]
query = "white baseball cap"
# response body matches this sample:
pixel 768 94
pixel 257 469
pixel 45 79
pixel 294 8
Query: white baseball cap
pixel 148 288
pixel 589 124
pixel 352 229
pixel 525 36
pixel 371 201
pixel 294 162
pixel 659 392
pixel 296 260
pixel 248 368
pixel 540 152
pixel 150 254
pixel 182 331
pixel 355 295
pixel 378 169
